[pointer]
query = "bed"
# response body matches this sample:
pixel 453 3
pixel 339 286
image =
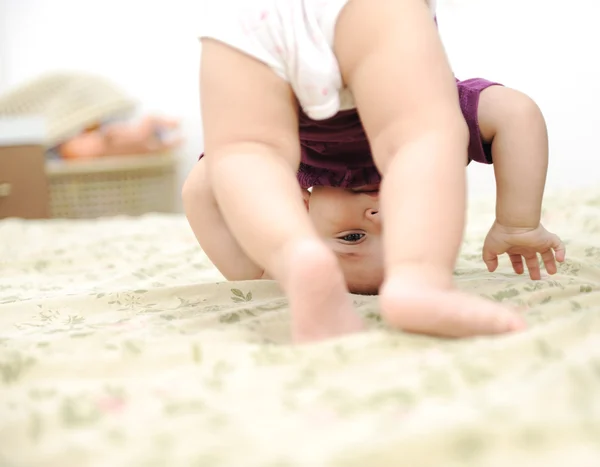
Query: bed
pixel 121 345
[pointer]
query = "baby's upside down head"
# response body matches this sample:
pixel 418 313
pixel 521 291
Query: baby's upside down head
pixel 349 222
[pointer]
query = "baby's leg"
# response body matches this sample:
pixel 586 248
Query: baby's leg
pixel 393 61
pixel 252 153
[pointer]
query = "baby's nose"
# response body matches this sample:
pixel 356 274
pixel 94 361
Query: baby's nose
pixel 372 215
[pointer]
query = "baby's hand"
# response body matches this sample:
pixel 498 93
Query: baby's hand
pixel 521 243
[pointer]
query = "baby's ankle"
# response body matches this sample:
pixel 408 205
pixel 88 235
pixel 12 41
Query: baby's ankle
pixel 312 253
pixel 420 275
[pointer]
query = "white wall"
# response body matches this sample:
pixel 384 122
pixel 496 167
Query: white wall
pixel 546 48
pixel 549 49
pixel 3 41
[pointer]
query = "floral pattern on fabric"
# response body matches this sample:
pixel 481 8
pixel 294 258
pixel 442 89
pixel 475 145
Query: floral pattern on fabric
pixel 121 345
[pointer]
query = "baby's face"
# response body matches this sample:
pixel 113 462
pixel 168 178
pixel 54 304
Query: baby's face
pixel 349 221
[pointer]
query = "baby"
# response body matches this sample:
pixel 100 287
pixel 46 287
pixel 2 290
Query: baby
pixel 336 155
pixel 243 201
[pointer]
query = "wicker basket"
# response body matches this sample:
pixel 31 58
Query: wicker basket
pixel 125 185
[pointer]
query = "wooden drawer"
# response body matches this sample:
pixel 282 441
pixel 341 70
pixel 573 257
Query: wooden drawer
pixel 23 183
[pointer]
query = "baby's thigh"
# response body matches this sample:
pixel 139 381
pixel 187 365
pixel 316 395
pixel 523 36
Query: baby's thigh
pixel 391 57
pixel 244 102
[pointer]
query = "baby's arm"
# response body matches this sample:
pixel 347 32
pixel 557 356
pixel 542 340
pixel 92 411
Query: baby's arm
pixel 517 129
pixel 212 232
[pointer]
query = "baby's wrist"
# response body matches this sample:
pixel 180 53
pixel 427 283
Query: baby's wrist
pixel 519 222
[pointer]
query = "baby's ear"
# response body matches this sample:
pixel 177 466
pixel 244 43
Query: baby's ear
pixel 305 197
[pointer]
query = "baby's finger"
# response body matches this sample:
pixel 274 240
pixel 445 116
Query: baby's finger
pixel 559 248
pixel 549 261
pixel 533 264
pixel 517 263
pixel 490 259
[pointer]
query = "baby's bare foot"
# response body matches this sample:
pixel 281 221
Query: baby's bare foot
pixel 320 304
pixel 424 309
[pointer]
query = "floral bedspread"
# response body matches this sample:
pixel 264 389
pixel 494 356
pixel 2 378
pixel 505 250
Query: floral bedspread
pixel 120 345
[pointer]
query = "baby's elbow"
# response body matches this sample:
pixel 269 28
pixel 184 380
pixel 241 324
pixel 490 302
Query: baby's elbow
pixel 522 110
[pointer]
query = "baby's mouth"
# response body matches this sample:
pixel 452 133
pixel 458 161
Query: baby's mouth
pixel 371 190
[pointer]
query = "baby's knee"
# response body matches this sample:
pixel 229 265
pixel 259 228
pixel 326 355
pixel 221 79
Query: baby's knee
pixel 187 191
pixel 196 185
pixel 440 135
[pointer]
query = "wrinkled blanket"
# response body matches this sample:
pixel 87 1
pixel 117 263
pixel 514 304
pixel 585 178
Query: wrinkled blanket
pixel 121 345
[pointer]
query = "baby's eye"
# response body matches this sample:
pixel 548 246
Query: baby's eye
pixel 353 237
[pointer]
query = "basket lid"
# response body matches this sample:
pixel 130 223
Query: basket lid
pixel 69 102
